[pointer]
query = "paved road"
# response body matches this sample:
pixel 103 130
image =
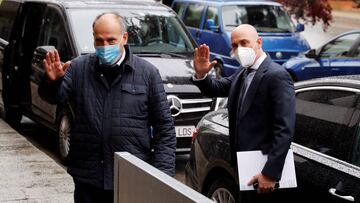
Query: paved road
pixel 45 140
pixel 27 174
pixel 342 22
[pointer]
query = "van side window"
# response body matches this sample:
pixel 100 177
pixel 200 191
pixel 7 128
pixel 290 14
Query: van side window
pixel 54 33
pixel 8 11
pixel 179 8
pixel 322 118
pixel 193 14
pixel 212 13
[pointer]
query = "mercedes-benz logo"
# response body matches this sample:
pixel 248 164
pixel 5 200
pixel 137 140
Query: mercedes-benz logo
pixel 175 105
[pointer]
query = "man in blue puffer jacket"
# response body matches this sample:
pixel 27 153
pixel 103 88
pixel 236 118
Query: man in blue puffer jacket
pixel 117 97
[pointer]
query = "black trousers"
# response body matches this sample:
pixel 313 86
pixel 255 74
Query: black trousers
pixel 85 193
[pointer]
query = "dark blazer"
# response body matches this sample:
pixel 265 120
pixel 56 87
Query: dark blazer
pixel 267 119
pixel 114 117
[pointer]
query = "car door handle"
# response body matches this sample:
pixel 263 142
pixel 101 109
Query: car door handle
pixel 332 191
pixel 335 69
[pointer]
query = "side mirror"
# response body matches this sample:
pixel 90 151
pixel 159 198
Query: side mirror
pixel 39 56
pixel 311 53
pixel 210 25
pixel 43 50
pixel 300 27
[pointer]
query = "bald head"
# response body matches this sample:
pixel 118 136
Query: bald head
pixel 245 35
pixel 109 29
pixel 246 31
pixel 111 19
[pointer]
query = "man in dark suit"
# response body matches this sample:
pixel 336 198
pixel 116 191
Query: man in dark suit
pixel 261 102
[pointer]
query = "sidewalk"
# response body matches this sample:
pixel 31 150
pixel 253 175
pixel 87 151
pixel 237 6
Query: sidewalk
pixel 345 9
pixel 347 19
pixel 29 175
pixel 346 14
pixel 343 21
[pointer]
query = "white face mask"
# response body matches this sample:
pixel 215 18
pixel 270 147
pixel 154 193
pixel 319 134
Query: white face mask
pixel 245 56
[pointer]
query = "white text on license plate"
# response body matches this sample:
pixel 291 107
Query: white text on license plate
pixel 184 131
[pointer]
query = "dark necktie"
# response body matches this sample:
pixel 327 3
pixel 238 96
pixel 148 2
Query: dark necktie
pixel 243 87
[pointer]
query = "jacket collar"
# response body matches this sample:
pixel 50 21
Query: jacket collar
pixel 129 60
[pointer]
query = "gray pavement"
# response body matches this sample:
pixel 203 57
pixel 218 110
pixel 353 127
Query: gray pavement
pixel 28 174
pixel 343 21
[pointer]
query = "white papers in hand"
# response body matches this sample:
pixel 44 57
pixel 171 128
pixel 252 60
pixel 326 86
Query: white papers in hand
pixel 251 163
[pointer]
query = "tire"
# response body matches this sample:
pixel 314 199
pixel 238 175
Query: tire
pixel 219 69
pixel 13 116
pixel 223 190
pixel 64 129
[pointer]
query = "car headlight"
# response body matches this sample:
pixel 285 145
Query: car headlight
pixel 221 102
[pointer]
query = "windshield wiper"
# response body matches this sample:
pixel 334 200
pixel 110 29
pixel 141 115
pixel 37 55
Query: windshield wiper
pixel 231 25
pixel 168 54
pixel 147 53
pixel 284 30
pixel 272 30
pixel 179 55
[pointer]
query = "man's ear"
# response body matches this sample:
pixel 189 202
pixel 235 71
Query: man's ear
pixel 125 37
pixel 259 41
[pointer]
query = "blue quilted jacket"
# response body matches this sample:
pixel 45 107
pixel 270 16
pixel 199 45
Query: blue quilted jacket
pixel 113 118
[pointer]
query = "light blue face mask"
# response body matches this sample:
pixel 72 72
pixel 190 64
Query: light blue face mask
pixel 108 54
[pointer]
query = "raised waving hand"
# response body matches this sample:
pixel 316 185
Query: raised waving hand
pixel 53 67
pixel 202 63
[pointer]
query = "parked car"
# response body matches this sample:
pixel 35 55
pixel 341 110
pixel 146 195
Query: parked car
pixel 211 22
pixel 326 146
pixel 338 56
pixel 29 29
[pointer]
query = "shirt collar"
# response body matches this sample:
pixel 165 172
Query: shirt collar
pixel 258 62
pixel 121 58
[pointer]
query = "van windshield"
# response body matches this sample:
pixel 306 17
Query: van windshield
pixel 149 31
pixel 265 18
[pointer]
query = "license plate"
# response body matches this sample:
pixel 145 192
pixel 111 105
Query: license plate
pixel 184 131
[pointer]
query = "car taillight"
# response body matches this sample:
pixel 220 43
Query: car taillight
pixel 194 135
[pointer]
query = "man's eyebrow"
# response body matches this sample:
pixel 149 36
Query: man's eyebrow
pixel 240 42
pixel 110 38
pixel 106 39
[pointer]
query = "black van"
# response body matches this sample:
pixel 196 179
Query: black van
pixel 29 29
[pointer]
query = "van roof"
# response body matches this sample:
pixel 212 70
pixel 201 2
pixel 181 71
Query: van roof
pixel 238 2
pixel 103 3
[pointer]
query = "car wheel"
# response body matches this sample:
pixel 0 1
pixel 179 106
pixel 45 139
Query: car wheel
pixel 223 190
pixel 64 129
pixel 13 116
